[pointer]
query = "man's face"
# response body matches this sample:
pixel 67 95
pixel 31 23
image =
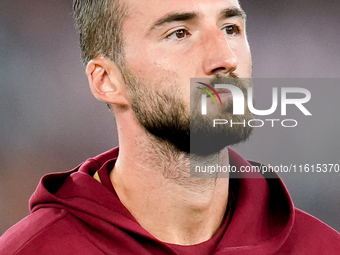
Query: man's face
pixel 170 41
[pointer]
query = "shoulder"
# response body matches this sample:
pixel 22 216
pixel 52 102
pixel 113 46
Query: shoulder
pixel 311 236
pixel 45 231
pixel 310 227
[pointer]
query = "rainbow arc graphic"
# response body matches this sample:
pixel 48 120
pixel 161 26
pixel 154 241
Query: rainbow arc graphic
pixel 209 93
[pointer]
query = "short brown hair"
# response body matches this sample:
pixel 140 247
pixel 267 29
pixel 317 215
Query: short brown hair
pixel 100 23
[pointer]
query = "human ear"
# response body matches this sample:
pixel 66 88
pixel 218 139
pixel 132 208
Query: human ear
pixel 106 81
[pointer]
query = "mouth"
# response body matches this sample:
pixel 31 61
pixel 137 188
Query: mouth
pixel 221 94
pixel 216 91
pixel 223 91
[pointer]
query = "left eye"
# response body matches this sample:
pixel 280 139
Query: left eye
pixel 231 30
pixel 179 34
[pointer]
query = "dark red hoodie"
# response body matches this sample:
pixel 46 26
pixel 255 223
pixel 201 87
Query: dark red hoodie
pixel 73 213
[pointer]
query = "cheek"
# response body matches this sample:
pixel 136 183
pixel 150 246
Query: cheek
pixel 146 63
pixel 242 52
pixel 159 71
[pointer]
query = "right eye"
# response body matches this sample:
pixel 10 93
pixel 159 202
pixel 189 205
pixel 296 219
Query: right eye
pixel 179 34
pixel 232 30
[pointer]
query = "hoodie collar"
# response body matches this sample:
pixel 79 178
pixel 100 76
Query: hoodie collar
pixel 262 219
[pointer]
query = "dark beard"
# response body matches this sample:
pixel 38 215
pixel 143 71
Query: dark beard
pixel 206 139
pixel 164 116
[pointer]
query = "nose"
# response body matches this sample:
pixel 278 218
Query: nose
pixel 219 57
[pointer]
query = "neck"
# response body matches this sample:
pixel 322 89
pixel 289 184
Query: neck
pixel 153 182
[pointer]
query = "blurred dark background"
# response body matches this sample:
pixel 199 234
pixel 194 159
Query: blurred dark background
pixel 50 121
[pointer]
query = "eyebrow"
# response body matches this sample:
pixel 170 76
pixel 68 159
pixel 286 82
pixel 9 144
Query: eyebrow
pixel 173 17
pixel 233 12
pixel 186 16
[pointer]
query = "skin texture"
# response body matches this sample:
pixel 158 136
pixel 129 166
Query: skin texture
pixel 150 177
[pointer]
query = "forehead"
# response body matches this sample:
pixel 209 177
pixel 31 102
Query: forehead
pixel 145 12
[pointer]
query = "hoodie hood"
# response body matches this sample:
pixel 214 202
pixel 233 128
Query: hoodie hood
pixel 261 221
